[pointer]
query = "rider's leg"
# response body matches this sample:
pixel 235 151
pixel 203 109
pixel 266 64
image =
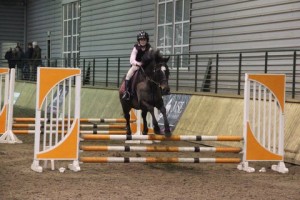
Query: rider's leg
pixel 130 73
pixel 126 95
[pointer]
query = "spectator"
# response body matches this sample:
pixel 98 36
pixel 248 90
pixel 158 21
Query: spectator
pixel 28 62
pixel 9 56
pixel 19 59
pixel 36 59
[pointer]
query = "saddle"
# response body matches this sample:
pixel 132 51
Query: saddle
pixel 132 84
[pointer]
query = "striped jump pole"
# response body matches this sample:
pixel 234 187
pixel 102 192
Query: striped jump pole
pixel 24 132
pixel 156 160
pixel 162 138
pixel 27 126
pixel 161 149
pixel 6 112
pixel 82 120
pixel 115 132
pixel 264 98
pixel 103 126
pixel 82 126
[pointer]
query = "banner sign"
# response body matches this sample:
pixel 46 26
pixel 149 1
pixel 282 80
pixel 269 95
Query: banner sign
pixel 175 105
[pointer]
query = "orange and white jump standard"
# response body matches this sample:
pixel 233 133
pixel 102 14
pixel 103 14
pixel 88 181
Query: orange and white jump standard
pixel 264 120
pixel 6 112
pixel 56 99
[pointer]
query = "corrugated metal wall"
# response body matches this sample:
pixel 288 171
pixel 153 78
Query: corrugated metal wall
pixel 243 25
pixel 109 27
pixel 44 16
pixel 11 25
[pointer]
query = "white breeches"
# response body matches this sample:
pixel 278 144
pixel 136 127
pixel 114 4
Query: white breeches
pixel 131 71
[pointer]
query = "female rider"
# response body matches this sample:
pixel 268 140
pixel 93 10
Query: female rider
pixel 137 53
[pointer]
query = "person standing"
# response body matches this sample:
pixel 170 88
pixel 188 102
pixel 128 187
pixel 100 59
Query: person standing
pixel 9 56
pixel 36 59
pixel 28 62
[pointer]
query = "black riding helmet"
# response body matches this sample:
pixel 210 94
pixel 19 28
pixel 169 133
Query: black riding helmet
pixel 142 35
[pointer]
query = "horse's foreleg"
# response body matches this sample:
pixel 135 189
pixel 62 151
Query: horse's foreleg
pixel 128 129
pixel 166 122
pixel 150 108
pixel 144 116
pixel 155 123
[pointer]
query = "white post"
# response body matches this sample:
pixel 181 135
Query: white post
pixel 75 165
pixel 138 128
pixel 35 166
pixel 244 165
pixel 9 136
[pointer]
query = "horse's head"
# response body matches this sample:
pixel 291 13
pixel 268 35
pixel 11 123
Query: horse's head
pixel 156 68
pixel 163 70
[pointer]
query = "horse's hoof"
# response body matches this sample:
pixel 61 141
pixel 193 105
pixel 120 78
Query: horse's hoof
pixel 145 131
pixel 159 133
pixel 168 133
pixel 157 130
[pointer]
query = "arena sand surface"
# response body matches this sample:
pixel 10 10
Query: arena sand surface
pixel 140 181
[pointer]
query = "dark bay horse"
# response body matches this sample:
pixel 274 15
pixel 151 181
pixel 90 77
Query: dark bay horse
pixel 149 86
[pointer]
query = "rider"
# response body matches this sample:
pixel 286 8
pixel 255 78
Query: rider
pixel 137 53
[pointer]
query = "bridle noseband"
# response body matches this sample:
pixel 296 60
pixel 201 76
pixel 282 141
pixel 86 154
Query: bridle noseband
pixel 150 79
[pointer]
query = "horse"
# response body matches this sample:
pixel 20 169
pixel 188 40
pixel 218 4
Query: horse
pixel 150 84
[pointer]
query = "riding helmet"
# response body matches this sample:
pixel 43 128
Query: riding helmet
pixel 143 35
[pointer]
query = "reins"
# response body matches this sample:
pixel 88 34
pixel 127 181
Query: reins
pixel 148 78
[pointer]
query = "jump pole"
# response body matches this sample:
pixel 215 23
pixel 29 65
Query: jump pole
pixel 162 138
pixel 82 120
pixel 82 126
pixel 157 160
pixel 106 132
pixel 161 149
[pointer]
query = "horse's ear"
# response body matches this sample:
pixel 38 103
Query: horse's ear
pixel 167 59
pixel 157 56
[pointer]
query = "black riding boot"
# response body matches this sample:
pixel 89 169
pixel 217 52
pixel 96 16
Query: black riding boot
pixel 126 95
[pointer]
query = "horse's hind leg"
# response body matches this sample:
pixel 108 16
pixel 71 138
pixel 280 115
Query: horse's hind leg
pixel 128 129
pixel 144 116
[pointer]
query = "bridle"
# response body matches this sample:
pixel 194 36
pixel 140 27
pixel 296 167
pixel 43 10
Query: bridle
pixel 150 79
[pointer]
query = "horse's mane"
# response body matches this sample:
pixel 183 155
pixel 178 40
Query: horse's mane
pixel 150 57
